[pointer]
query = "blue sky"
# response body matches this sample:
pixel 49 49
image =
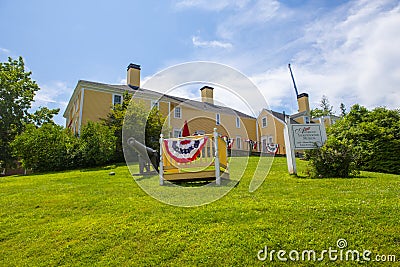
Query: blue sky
pixel 346 50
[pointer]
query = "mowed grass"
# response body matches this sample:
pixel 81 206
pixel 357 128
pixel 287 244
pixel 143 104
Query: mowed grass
pixel 90 218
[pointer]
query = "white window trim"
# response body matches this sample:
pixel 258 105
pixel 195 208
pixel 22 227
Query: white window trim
pixel 113 98
pixel 217 119
pixel 270 138
pixel 237 122
pixel 154 103
pixel 81 110
pixel 180 113
pixel 264 142
pixel 176 130
pixel 262 122
pixel 238 144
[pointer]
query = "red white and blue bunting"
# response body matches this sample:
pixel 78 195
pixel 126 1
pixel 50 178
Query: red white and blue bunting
pixel 184 150
pixel 272 148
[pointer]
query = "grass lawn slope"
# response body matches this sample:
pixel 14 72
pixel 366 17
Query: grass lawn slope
pixel 91 218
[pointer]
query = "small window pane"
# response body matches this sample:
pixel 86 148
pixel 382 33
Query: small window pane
pixel 177 113
pixel 264 122
pixel 237 122
pixel 117 99
pixel 177 133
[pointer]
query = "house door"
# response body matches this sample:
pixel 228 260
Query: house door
pixel 264 141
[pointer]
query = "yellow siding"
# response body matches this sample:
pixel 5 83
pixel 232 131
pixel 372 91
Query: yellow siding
pixel 202 120
pixel 303 104
pixel 96 105
pixel 164 108
pixel 274 128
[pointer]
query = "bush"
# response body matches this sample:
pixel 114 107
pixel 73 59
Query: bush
pixel 48 148
pixel 376 132
pixel 97 144
pixel 336 158
pixel 53 148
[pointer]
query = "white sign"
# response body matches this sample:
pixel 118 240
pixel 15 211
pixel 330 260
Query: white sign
pixel 307 136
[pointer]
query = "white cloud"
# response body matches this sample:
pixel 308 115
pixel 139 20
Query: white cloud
pixel 210 44
pixel 4 51
pixel 211 5
pixel 53 95
pixel 355 56
pixel 350 54
pixel 232 88
pixel 254 13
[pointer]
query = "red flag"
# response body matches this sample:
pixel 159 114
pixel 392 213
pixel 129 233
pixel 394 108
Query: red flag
pixel 185 131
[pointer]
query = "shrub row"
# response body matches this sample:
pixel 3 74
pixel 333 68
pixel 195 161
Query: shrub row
pixel 53 148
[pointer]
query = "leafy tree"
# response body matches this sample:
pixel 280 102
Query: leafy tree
pixel 47 148
pixel 325 110
pixel 50 147
pixel 138 121
pixel 377 132
pixel 97 144
pixel 374 134
pixel 154 127
pixel 342 110
pixel 17 90
pixel 43 115
pixel 115 120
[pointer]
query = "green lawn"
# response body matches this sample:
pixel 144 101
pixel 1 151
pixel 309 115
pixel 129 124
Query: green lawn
pixel 91 218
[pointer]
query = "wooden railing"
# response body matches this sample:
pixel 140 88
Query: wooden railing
pixel 208 163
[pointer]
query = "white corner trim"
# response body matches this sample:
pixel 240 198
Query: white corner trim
pixel 81 110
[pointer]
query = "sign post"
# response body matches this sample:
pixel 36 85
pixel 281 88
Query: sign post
pixel 301 137
pixel 290 156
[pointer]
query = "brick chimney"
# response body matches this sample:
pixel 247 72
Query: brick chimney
pixel 302 101
pixel 207 94
pixel 133 78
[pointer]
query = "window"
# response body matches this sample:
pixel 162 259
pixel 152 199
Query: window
pixel 270 140
pixel 177 113
pixel 75 106
pixel 155 104
pixel 117 99
pixel 200 132
pixel 238 142
pixel 177 133
pixel 264 144
pixel 264 122
pixel 306 119
pixel 217 119
pixel 237 122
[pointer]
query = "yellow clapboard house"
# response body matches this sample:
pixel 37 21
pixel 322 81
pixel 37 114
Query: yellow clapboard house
pixel 92 101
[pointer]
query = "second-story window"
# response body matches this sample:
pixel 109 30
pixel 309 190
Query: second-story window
pixel 264 122
pixel 117 99
pixel 237 122
pixel 178 113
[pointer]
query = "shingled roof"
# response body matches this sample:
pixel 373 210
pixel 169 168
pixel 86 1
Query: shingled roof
pixel 164 97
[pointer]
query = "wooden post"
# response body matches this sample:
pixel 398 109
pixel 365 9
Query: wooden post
pixel 216 162
pixel 289 147
pixel 161 169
